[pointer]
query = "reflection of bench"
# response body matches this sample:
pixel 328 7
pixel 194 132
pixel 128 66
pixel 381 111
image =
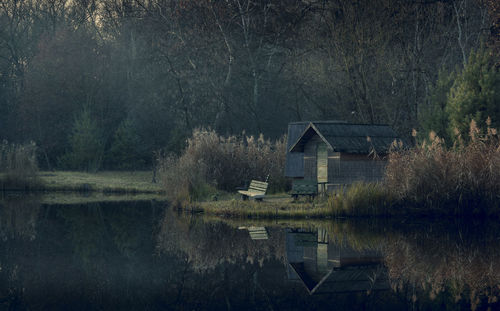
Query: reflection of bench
pixel 256 190
pixel 304 187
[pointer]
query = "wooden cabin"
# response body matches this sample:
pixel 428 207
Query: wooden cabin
pixel 335 153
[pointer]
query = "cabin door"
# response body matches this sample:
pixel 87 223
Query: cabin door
pixel 322 166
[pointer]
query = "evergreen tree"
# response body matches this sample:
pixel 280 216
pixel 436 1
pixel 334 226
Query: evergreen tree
pixel 86 145
pixel 475 94
pixel 124 152
pixel 435 117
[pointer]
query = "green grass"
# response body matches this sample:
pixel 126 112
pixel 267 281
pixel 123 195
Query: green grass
pixel 67 198
pixel 358 200
pixel 273 206
pixel 112 181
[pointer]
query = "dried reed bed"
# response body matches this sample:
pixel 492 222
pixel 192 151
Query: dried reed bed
pixel 361 199
pixel 18 166
pixel 212 162
pixel 462 180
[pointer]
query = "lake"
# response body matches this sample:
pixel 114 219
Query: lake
pixel 143 255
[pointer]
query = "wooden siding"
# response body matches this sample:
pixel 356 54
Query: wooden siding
pixel 353 168
pixel 342 168
pixel 333 167
pixel 310 150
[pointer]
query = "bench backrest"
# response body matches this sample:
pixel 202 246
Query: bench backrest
pixel 304 186
pixel 258 186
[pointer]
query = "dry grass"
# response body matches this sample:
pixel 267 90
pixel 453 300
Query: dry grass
pixel 115 181
pixel 277 206
pixel 361 199
pixel 212 162
pixel 18 166
pixel 462 180
pixel 68 198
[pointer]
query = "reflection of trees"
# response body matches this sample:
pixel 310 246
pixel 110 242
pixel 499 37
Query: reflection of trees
pixel 117 255
pixel 18 227
pixel 457 263
pixel 18 218
pixel 434 264
pixel 91 253
pixel 207 245
pixel 430 265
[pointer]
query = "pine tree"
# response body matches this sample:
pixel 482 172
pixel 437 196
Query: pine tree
pixel 435 117
pixel 475 94
pixel 124 152
pixel 86 145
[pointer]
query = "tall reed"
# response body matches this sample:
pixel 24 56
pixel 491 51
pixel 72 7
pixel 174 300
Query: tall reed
pixel 18 166
pixel 360 199
pixel 211 161
pixel 461 180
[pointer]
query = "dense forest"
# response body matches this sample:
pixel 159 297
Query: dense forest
pixel 106 83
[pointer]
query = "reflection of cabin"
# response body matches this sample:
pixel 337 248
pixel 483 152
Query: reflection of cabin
pixel 324 266
pixel 337 153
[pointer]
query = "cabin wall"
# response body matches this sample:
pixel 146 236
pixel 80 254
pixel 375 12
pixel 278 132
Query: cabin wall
pixel 349 168
pixel 343 168
pixel 310 169
pixel 294 166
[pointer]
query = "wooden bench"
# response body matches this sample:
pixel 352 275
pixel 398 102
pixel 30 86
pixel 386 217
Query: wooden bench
pixel 304 187
pixel 256 190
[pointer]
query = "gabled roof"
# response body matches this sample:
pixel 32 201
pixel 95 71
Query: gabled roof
pixel 349 138
pixel 294 161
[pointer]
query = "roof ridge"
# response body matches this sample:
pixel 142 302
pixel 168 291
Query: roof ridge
pixel 340 122
pixel 345 123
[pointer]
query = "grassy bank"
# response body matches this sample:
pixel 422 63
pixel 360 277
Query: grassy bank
pixel 67 197
pixel 358 200
pixel 105 182
pixel 273 206
pixel 108 182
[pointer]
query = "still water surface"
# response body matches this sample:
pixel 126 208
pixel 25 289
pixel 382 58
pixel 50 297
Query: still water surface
pixel 142 255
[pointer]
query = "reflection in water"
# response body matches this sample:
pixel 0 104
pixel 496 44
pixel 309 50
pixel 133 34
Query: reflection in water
pixel 256 233
pixel 141 255
pixel 458 263
pixel 326 265
pixel 18 218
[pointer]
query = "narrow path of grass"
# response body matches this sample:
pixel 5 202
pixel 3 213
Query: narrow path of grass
pixel 114 182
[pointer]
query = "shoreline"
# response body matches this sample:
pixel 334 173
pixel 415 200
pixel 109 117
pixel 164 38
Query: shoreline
pixel 282 206
pixel 113 182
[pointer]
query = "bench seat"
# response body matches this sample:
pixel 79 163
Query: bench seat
pixel 256 190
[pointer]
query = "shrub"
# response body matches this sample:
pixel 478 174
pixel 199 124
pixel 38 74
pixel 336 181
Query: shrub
pixel 18 166
pixel 464 179
pixel 212 162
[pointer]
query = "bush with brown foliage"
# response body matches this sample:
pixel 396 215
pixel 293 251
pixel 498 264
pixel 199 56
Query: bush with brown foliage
pixel 211 161
pixel 461 180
